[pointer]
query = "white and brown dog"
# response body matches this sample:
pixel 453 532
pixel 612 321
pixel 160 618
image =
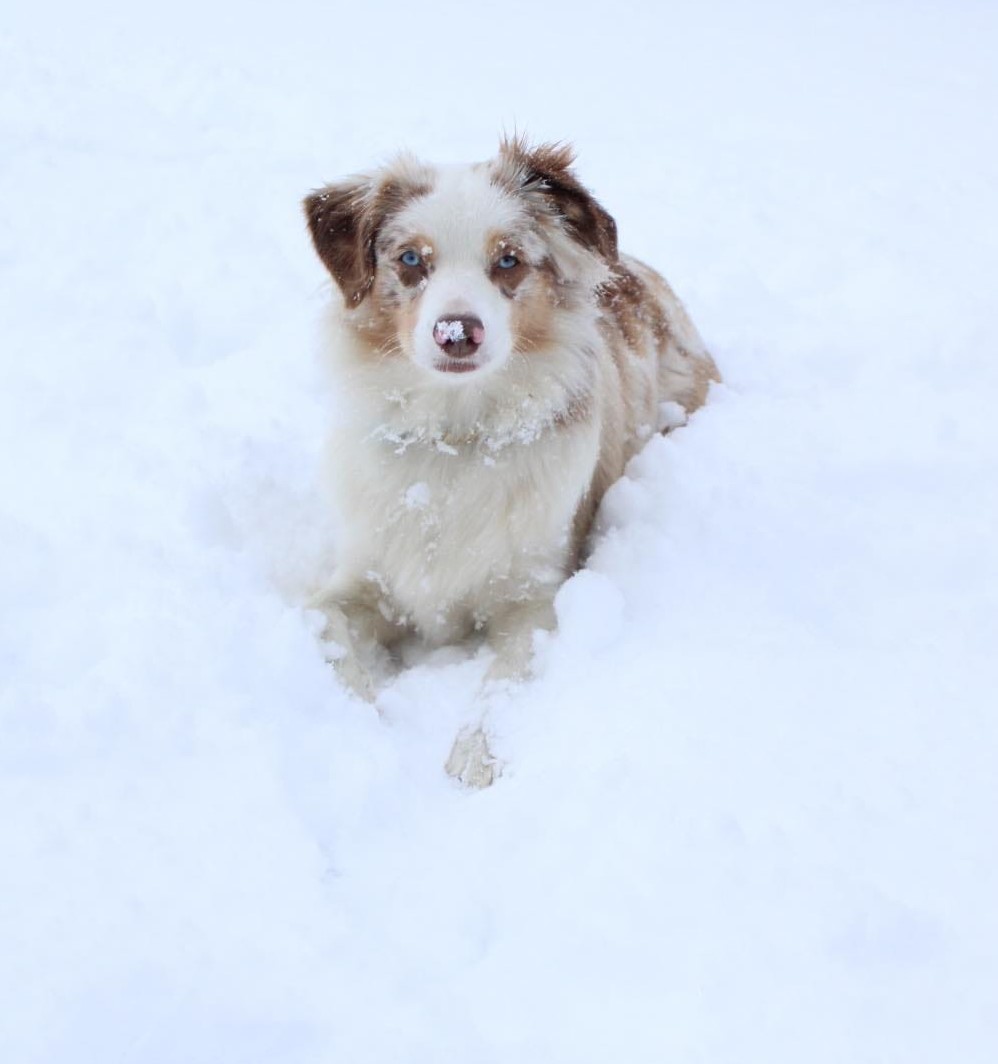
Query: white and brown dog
pixel 501 362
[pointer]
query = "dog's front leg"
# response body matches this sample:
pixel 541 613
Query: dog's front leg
pixel 511 636
pixel 358 633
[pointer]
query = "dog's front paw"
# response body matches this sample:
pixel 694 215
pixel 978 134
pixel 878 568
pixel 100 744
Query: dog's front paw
pixel 352 674
pixel 349 655
pixel 471 761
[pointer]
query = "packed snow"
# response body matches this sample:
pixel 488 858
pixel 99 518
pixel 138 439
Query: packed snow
pixel 749 805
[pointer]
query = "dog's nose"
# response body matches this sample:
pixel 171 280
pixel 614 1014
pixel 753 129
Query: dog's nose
pixel 459 336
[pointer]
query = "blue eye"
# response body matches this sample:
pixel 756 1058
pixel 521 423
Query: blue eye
pixel 410 258
pixel 507 262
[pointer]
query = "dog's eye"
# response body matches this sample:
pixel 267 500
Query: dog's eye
pixel 410 258
pixel 507 262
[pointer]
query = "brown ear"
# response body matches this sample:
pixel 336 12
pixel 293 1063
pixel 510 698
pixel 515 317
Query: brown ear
pixel 341 222
pixel 547 169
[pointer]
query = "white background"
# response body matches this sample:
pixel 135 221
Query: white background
pixel 749 810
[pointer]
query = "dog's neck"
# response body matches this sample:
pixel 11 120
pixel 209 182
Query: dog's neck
pixel 529 399
pixel 519 424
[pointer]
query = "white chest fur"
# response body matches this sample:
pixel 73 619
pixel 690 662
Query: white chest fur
pixel 449 528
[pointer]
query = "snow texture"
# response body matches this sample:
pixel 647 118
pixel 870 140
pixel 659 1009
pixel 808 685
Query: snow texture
pixel 748 809
pixel 449 331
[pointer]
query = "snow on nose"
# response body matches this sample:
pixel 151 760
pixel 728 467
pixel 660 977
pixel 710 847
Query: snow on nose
pixel 459 336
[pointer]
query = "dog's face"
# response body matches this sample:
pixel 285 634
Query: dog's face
pixel 460 269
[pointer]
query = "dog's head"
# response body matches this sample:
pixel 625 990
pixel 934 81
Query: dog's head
pixel 458 269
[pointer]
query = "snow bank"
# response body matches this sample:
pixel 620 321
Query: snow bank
pixel 748 812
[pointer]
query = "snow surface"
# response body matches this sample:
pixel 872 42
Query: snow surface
pixel 749 810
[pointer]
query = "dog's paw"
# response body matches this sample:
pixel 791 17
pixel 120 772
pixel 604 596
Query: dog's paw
pixel 351 673
pixel 471 761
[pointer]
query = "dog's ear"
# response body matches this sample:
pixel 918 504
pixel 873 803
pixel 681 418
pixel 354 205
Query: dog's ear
pixel 344 220
pixel 341 220
pixel 547 169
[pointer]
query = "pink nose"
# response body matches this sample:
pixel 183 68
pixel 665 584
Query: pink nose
pixel 459 336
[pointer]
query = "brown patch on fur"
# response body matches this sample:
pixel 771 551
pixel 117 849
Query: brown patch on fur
pixel 633 310
pixel 545 172
pixel 533 328
pixel 378 329
pixel 641 319
pixel 509 279
pixel 582 524
pixel 413 276
pixel 344 220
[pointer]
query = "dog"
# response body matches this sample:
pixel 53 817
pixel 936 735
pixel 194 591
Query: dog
pixel 500 362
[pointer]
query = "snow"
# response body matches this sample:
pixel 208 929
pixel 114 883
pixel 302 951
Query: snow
pixel 449 330
pixel 417 496
pixel 748 809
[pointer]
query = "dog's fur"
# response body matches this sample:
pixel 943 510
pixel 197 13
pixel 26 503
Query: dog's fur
pixel 468 496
